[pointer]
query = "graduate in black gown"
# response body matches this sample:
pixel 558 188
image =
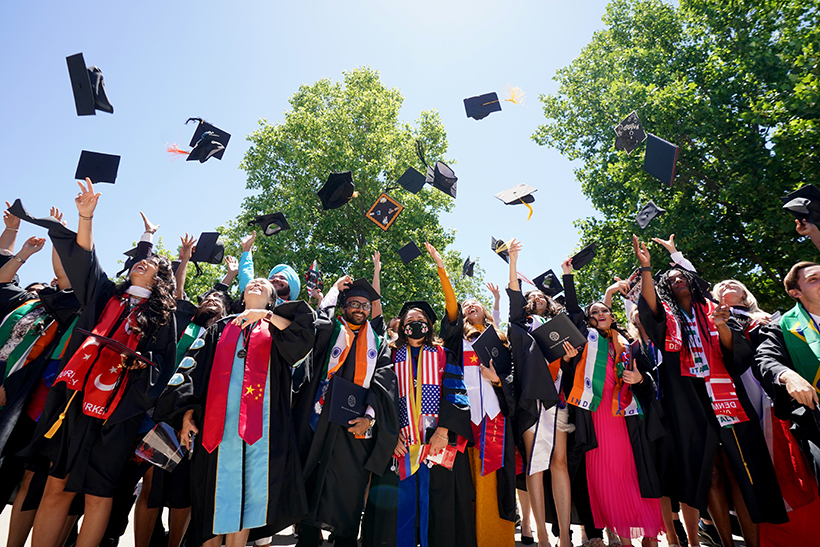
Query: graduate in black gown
pixel 96 406
pixel 339 459
pixel 233 395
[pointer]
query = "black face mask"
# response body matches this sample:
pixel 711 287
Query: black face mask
pixel 416 330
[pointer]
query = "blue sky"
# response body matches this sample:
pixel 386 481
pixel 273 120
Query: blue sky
pixel 237 62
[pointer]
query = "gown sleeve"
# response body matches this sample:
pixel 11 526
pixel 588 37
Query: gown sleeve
pixel 246 271
pixel 82 268
pixel 296 341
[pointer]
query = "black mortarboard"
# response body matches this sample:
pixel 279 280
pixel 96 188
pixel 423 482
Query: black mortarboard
pixel 409 252
pixel 647 213
pixel 209 248
pixel 520 193
pixel 98 167
pixel 482 106
pixel 337 190
pixel 88 87
pixel 584 256
pixel 385 211
pixel 208 141
pixel 548 283
pixel 360 287
pixel 660 158
pixel 424 306
pixel 500 248
pixel 629 133
pixel 804 204
pixel 49 223
pixel 442 178
pixel 412 180
pixel 467 267
pixel 143 250
pixel 271 224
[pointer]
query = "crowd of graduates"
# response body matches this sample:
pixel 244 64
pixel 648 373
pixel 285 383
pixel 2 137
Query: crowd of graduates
pixel 693 418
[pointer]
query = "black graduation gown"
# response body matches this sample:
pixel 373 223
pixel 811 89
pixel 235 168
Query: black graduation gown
pixel 92 452
pixel 16 427
pixel 287 502
pixel 772 359
pixel 451 334
pixel 337 466
pixel 691 423
pixel 451 492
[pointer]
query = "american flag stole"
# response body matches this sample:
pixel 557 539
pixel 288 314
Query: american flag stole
pixel 419 397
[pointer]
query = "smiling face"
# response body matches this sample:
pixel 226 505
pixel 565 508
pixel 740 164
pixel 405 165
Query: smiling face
pixel 474 312
pixel 358 315
pixel 144 272
pixel 280 285
pixel 600 316
pixel 732 293
pixel 538 301
pixel 258 293
pixel 212 305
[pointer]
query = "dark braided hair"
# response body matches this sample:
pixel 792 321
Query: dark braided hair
pixel 667 295
pixel 156 310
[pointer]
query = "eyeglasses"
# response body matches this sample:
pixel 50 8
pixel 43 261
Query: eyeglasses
pixel 364 306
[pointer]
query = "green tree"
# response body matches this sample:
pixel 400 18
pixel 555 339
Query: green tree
pixel 350 126
pixel 735 85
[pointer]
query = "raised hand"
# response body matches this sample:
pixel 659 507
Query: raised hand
pixel 803 228
pixel 31 246
pixel 436 256
pixel 86 200
pixel 343 283
pixel 232 265
pixel 377 263
pixel 493 288
pixel 566 266
pixel 187 247
pixel 150 228
pixel 668 244
pixel 641 252
pixel 56 213
pixel 11 221
pixel 247 243
pixel 514 248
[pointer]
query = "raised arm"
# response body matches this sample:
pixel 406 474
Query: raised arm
pixel 9 235
pixel 450 302
pixel 31 246
pixel 647 283
pixel 514 248
pixel 620 286
pixel 86 202
pixel 377 283
pixel 677 257
pixel 232 266
pixel 803 228
pixel 493 288
pixel 59 271
pixel 185 252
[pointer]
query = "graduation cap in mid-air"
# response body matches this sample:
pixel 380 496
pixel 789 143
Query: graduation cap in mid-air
pixel 271 224
pixel 384 212
pixel 481 106
pixel 412 180
pixel 500 248
pixel 337 190
pixel 97 166
pixel 467 267
pixel 804 204
pixel 422 305
pixel 409 252
pixel 548 283
pixel 584 256
pixel 207 142
pixel 660 158
pixel 629 133
pixel 313 278
pixel 88 87
pixel 209 249
pixel 520 193
pixel 440 176
pixel 647 213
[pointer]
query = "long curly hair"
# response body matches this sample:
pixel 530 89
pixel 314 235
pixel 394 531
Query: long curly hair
pixel 470 331
pixel 156 310
pixel 667 295
pixel 553 308
pixel 430 339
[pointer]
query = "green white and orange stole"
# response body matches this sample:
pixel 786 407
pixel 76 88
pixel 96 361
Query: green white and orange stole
pixel 803 343
pixel 590 376
pixel 20 348
pixel 368 344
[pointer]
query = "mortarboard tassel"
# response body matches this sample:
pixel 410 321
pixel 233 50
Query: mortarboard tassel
pixel 516 95
pixel 175 149
pixel 528 207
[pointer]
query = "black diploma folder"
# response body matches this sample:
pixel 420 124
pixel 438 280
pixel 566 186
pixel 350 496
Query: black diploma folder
pixel 347 401
pixel 551 335
pixel 489 346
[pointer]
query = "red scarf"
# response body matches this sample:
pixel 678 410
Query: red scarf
pixel 101 365
pixel 719 384
pixel 251 406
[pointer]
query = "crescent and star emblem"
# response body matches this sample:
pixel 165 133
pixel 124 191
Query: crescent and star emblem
pixel 101 386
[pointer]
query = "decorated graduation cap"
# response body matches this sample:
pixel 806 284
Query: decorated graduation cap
pixel 88 87
pixel 360 287
pixel 500 248
pixel 440 176
pixel 660 158
pixel 804 204
pixel 481 106
pixel 467 267
pixel 412 180
pixel 520 193
pixel 629 133
pixel 384 212
pixel 97 166
pixel 548 283
pixel 313 278
pixel 647 213
pixel 207 142
pixel 209 249
pixel 422 305
pixel 409 252
pixel 337 190
pixel 271 224
pixel 584 256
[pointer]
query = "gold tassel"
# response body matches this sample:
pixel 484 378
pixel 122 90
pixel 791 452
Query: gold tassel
pixel 741 456
pixel 529 216
pixel 50 433
pixel 516 95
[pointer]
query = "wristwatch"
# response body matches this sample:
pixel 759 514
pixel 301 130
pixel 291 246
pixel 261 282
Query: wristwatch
pixel 371 418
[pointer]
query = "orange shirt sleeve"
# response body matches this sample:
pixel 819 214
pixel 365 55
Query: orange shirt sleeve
pixel 450 302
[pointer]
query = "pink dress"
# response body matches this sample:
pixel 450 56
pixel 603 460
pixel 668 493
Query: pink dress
pixel 614 493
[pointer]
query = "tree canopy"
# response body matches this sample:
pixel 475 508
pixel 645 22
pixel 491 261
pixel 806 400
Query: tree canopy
pixel 735 85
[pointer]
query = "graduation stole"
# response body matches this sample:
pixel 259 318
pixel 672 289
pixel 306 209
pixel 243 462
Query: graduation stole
pixel 100 364
pixel 803 343
pixel 37 337
pixel 257 347
pixel 555 367
pixel 719 384
pixel 367 351
pixel 191 333
pixel 488 423
pixel 418 400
